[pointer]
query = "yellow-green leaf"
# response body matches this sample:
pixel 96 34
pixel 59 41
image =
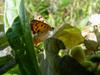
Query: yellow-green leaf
pixel 70 35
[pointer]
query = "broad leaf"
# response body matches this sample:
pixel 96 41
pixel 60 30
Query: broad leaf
pixel 19 36
pixel 71 36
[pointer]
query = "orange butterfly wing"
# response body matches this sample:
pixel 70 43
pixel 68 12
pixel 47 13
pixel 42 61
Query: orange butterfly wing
pixel 39 27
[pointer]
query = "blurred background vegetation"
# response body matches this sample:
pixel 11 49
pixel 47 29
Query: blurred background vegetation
pixel 56 13
pixel 59 11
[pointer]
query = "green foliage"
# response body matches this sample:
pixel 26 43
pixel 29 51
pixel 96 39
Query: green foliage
pixel 91 45
pixel 12 71
pixel 1 18
pixel 61 65
pixel 78 53
pixel 70 35
pixel 64 2
pixel 4 60
pixel 19 37
pixel 72 14
pixel 98 70
pixel 89 65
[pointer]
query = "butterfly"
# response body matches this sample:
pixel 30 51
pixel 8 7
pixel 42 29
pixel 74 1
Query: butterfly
pixel 39 27
pixel 40 30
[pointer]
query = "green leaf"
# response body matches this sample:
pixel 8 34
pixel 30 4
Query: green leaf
pixel 14 70
pixel 1 18
pixel 51 20
pixel 3 39
pixel 30 52
pixel 52 48
pixel 20 39
pixel 83 22
pixel 64 3
pixel 71 36
pixel 91 45
pixel 10 13
pixel 4 60
pixel 78 53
